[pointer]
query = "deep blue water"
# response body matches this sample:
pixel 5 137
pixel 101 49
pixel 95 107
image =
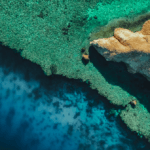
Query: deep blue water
pixel 55 113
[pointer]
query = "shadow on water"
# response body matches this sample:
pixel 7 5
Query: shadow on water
pixel 135 84
pixel 13 62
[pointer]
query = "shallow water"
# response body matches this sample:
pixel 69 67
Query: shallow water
pixel 54 113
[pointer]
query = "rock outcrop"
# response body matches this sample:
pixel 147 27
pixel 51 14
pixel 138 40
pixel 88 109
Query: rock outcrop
pixel 126 46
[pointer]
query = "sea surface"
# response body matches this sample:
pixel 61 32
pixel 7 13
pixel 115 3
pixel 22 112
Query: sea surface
pixel 55 113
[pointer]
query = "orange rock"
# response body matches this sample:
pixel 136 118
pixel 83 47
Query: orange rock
pixel 146 28
pixel 134 102
pixel 125 40
pixel 85 56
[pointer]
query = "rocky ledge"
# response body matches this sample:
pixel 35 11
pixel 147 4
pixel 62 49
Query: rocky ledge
pixel 132 48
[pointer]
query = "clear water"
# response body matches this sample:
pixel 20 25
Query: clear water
pixel 54 113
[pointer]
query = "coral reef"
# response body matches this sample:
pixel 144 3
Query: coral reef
pixel 126 46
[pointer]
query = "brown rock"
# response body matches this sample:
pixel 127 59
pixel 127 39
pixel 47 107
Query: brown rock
pixel 128 47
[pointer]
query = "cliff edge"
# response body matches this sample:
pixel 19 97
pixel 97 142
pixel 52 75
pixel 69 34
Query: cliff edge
pixel 132 48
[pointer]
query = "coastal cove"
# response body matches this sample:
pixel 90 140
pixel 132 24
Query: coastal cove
pixel 50 36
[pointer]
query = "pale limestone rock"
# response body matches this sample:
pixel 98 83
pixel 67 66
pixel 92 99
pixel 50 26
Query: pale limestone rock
pixel 126 46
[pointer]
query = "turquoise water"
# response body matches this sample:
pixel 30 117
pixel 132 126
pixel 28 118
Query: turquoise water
pixel 54 113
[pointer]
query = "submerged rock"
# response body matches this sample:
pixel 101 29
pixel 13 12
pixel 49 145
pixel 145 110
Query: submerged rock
pixel 126 46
